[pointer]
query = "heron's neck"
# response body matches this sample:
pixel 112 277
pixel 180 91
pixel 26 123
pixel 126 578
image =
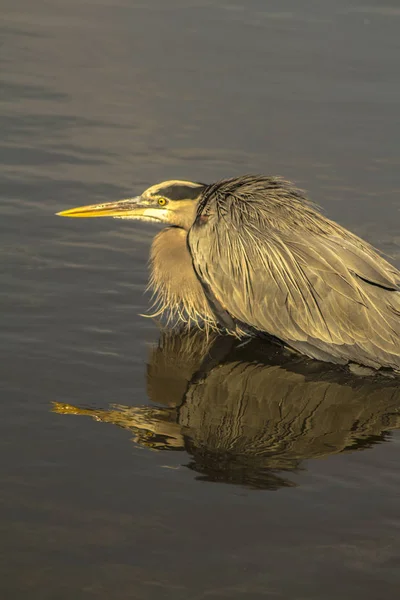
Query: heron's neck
pixel 174 281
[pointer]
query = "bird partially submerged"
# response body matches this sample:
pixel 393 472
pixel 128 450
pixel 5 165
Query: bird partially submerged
pixel 251 255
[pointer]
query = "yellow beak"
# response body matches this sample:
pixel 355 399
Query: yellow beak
pixel 130 208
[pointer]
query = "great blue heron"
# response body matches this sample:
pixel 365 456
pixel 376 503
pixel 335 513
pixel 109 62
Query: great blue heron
pixel 252 255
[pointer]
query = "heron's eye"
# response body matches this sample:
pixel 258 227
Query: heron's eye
pixel 162 201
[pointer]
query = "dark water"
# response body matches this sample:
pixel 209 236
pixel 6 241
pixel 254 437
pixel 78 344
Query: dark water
pixel 234 472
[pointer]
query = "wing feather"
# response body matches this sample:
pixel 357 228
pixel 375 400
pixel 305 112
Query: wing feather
pixel 322 292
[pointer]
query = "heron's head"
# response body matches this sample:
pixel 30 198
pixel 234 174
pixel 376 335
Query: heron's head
pixel 172 202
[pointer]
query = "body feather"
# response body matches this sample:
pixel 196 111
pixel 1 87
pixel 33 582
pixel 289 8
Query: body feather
pixel 277 265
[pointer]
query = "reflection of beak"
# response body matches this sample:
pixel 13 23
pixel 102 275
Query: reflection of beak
pixel 132 208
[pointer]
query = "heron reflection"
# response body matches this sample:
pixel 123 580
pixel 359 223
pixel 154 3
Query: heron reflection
pixel 250 414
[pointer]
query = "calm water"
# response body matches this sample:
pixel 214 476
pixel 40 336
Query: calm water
pixel 148 467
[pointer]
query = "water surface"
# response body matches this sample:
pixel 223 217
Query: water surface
pixel 239 473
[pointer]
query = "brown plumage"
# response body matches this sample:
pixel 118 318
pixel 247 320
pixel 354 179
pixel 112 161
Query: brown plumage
pixel 291 272
pixel 252 255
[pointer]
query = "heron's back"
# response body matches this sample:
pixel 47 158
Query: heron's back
pixel 279 266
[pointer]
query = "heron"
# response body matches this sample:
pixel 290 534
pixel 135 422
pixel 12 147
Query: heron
pixel 253 256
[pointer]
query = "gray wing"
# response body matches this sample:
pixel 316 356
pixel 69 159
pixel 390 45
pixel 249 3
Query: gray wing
pixel 328 295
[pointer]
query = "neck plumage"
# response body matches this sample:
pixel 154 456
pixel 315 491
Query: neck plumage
pixel 174 283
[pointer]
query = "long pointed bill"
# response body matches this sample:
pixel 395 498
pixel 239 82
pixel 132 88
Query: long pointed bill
pixel 130 208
